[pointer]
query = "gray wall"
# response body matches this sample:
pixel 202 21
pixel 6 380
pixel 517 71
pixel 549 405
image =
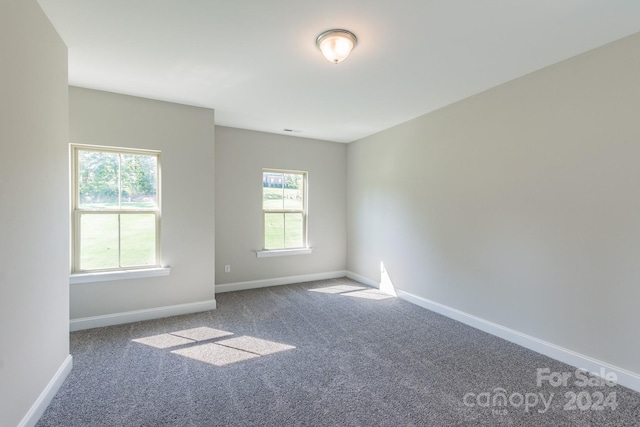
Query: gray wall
pixel 34 230
pixel 185 135
pixel 240 157
pixel 519 205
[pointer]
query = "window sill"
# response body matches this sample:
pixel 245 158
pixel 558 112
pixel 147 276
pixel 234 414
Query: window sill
pixel 107 276
pixel 283 252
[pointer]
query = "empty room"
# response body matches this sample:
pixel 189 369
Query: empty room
pixel 358 213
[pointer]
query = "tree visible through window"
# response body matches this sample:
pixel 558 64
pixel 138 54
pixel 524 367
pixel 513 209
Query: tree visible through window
pixel 284 209
pixel 116 209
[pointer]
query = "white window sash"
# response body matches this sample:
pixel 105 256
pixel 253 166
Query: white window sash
pixel 303 211
pixel 78 212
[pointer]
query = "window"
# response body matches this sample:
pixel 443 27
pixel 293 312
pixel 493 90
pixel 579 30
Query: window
pixel 116 209
pixel 284 209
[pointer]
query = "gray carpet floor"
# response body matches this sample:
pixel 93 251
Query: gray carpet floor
pixel 327 353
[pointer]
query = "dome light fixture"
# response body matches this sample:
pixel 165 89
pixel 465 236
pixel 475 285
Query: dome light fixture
pixel 336 44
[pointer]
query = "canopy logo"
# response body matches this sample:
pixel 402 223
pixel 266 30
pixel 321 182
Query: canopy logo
pixel 499 400
pixel 582 379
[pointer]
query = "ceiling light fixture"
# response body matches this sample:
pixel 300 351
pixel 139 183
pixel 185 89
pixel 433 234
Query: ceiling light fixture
pixel 336 45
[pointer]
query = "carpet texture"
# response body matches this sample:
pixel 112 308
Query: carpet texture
pixel 327 353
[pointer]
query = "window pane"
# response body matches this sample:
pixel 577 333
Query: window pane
pixel 293 230
pixel 272 190
pixel 293 192
pixel 97 179
pixel 137 240
pixel 98 241
pixel 138 181
pixel 273 230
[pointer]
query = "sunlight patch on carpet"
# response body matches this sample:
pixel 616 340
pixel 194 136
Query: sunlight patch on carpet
pixel 363 292
pixel 163 341
pixel 215 354
pixel 218 353
pixel 337 289
pixel 255 345
pixel 202 333
pixel 373 294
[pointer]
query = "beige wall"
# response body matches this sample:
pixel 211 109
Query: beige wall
pixel 34 242
pixel 185 135
pixel 240 157
pixel 519 205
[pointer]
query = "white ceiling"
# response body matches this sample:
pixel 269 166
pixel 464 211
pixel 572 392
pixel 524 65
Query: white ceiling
pixel 255 61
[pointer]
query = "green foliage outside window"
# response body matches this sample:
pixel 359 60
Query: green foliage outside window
pixel 115 179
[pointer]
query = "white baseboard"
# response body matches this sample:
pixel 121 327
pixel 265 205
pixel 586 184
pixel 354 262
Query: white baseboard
pixel 624 377
pixel 38 408
pixel 364 280
pixel 138 315
pixel 254 284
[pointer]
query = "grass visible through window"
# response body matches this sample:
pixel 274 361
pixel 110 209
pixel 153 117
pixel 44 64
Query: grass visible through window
pixel 283 230
pixel 283 204
pixel 100 241
pixel 116 208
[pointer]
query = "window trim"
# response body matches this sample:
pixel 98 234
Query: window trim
pixel 264 252
pixel 77 213
pixel 109 276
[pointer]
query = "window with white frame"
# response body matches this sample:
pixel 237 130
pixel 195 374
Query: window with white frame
pixel 116 209
pixel 284 209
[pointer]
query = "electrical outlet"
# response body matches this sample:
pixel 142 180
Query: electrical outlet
pixel 227 268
